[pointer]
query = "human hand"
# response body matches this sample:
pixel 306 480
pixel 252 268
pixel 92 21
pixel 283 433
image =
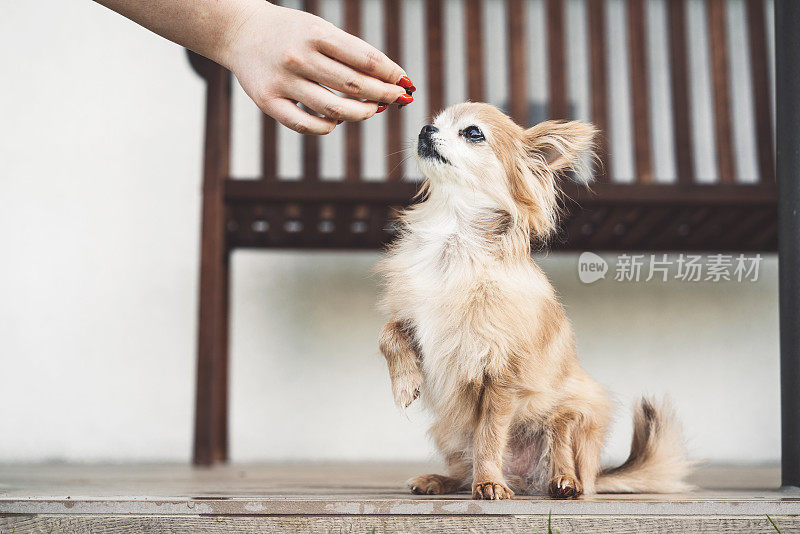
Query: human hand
pixel 283 56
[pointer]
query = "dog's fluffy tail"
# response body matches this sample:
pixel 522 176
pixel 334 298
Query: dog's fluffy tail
pixel 657 462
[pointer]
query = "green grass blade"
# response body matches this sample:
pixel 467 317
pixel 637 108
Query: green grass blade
pixel 773 524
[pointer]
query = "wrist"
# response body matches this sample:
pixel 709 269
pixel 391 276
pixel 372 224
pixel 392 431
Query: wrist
pixel 242 11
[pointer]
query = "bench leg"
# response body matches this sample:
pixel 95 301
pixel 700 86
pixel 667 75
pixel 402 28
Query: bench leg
pixel 787 50
pixel 211 404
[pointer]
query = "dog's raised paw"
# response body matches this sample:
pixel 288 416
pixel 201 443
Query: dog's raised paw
pixel 406 388
pixel 491 491
pixel 565 487
pixel 432 485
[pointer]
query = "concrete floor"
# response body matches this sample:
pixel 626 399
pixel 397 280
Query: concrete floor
pixel 324 497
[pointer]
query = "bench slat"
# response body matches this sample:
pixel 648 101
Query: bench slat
pixel 434 36
pixel 681 122
pixel 517 74
pixel 393 27
pixel 759 77
pixel 720 84
pixel 558 105
pixel 473 35
pixel 598 66
pixel 352 24
pixel 269 144
pixel 311 142
pixel 640 101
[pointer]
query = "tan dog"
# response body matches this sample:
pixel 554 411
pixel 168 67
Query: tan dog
pixel 477 331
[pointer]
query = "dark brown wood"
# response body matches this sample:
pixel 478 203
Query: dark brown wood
pixel 434 38
pixel 613 194
pixel 759 78
pixel 311 142
pixel 211 402
pixel 640 94
pixel 720 84
pixel 558 96
pixel 598 66
pixel 392 26
pixel 352 24
pixel 681 103
pixel 473 31
pixel 517 63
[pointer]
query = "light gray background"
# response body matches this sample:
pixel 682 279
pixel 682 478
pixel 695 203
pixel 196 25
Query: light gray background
pixel 99 228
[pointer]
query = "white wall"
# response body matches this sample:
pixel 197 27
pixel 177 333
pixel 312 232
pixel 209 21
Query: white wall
pixel 99 217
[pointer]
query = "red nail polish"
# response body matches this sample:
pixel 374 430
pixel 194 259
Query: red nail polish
pixel 404 99
pixel 382 107
pixel 406 83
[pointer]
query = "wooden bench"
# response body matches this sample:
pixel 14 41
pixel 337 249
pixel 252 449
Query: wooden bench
pixel 736 213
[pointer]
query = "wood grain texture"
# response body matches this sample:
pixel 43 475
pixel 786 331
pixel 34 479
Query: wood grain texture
pixel 558 96
pixel 598 72
pixel 434 39
pixel 352 24
pixel 640 91
pixel 618 201
pixel 392 524
pixel 211 402
pixel 681 103
pixel 720 86
pixel 393 29
pixel 517 62
pixel 759 78
pixel 473 31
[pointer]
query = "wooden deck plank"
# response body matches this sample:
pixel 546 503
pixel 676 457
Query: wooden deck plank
pixel 360 497
pixel 380 525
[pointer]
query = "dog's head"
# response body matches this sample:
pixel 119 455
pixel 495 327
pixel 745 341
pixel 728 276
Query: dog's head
pixel 477 152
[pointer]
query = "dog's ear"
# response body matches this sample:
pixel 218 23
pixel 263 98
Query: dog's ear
pixel 560 146
pixel 551 148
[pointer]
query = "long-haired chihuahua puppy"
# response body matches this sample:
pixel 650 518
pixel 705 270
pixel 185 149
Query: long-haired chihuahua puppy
pixel 478 333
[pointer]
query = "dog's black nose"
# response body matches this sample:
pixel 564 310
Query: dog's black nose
pixel 428 130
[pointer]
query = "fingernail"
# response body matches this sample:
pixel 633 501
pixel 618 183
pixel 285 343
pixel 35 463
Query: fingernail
pixel 339 122
pixel 381 107
pixel 406 83
pixel 404 99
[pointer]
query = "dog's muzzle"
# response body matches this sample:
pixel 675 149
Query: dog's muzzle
pixel 426 144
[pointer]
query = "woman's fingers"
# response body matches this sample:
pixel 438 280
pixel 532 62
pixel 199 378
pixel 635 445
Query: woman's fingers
pixel 291 116
pixel 361 56
pixel 333 106
pixel 331 73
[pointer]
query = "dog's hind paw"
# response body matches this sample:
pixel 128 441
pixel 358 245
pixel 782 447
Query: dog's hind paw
pixel 565 487
pixel 433 484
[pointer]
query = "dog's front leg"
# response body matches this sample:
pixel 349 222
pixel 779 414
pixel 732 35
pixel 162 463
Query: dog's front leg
pixel 495 411
pixel 402 358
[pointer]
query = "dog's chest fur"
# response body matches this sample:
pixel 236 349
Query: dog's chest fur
pixel 448 279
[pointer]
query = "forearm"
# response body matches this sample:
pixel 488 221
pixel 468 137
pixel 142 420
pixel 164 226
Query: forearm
pixel 204 26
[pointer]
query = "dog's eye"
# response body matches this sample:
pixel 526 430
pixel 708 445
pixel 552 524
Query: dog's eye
pixel 472 134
